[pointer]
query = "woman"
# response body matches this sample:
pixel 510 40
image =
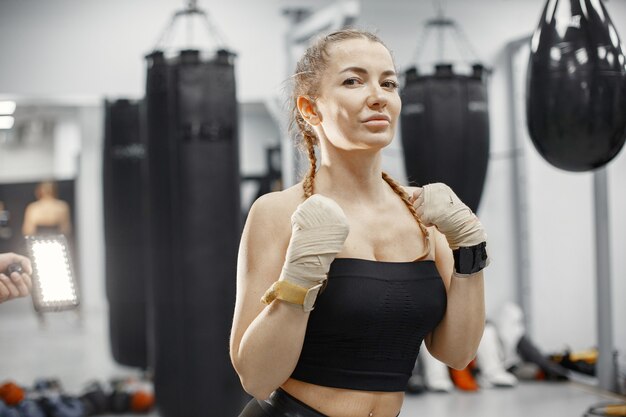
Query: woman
pixel 373 257
pixel 47 215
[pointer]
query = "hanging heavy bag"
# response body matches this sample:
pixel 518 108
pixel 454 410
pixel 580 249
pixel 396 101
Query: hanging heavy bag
pixel 576 86
pixel 445 130
pixel 194 231
pixel 124 217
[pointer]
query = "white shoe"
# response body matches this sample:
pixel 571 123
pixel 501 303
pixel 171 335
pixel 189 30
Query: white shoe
pixel 436 375
pixel 489 361
pixel 510 328
pixel 501 379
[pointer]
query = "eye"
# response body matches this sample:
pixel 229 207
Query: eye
pixel 351 81
pixel 390 84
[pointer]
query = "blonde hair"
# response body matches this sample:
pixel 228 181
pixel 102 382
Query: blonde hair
pixel 46 188
pixel 306 81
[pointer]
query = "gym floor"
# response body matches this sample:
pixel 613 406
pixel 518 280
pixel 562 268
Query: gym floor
pixel 75 350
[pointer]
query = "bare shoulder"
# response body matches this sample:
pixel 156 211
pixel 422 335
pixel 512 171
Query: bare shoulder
pixel 275 209
pixel 60 205
pixel 291 196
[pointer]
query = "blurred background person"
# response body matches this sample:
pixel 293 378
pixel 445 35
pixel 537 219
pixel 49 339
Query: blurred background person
pixel 47 215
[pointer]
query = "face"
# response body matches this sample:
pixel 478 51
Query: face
pixel 358 104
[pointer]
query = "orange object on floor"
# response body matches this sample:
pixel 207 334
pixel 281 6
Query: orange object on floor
pixel 11 393
pixel 141 401
pixel 463 379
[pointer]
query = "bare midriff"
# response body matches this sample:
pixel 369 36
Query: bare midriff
pixel 339 402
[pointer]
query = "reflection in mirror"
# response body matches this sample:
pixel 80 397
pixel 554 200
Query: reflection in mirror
pixel 40 140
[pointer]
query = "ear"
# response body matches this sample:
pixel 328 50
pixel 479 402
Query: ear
pixel 308 110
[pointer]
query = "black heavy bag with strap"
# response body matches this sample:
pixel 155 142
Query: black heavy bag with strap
pixel 445 130
pixel 194 231
pixel 124 232
pixel 576 86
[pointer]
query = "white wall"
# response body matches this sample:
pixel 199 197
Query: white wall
pixel 257 131
pixel 67 144
pixel 90 48
pixel 27 161
pixel 96 48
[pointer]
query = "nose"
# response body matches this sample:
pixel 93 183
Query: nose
pixel 376 98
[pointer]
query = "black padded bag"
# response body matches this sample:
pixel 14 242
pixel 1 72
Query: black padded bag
pixel 445 131
pixel 576 86
pixel 124 231
pixel 194 208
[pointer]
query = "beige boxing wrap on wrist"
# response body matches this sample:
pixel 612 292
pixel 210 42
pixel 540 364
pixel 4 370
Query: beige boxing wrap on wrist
pixel 452 217
pixel 319 229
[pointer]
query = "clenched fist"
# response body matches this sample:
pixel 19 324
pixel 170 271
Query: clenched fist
pixel 436 204
pixel 319 229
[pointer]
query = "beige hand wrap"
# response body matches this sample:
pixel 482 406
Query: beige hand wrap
pixel 319 229
pixel 442 208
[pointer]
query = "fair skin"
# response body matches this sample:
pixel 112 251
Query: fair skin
pixel 16 285
pixel 46 211
pixel 354 115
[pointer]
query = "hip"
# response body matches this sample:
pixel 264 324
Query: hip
pixel 340 402
pixel 282 404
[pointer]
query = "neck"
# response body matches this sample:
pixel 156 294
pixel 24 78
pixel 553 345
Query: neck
pixel 353 176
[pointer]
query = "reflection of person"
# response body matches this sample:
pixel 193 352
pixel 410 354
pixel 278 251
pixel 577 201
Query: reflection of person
pixel 384 269
pixel 47 215
pixel 17 284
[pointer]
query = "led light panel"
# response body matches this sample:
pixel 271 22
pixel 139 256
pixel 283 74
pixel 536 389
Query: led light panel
pixel 54 286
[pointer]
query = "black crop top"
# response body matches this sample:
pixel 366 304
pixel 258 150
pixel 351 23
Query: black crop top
pixel 45 230
pixel 367 326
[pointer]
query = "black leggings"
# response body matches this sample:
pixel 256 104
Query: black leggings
pixel 279 404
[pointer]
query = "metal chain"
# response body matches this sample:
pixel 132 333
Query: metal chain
pixel 462 42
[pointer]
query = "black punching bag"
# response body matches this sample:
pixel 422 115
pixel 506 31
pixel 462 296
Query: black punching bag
pixel 445 130
pixel 124 232
pixel 576 86
pixel 194 232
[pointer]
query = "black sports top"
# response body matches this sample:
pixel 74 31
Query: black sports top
pixel 367 326
pixel 44 230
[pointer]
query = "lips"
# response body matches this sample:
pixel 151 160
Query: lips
pixel 378 118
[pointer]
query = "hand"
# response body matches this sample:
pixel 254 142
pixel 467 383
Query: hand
pixel 436 204
pixel 17 284
pixel 319 229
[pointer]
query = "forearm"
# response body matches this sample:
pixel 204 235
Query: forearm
pixel 270 348
pixel 455 340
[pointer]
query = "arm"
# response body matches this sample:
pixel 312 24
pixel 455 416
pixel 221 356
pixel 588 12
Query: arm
pixel 455 340
pixel 265 340
pixel 65 224
pixel 29 225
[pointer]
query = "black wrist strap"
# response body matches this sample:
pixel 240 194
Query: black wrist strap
pixel 470 260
